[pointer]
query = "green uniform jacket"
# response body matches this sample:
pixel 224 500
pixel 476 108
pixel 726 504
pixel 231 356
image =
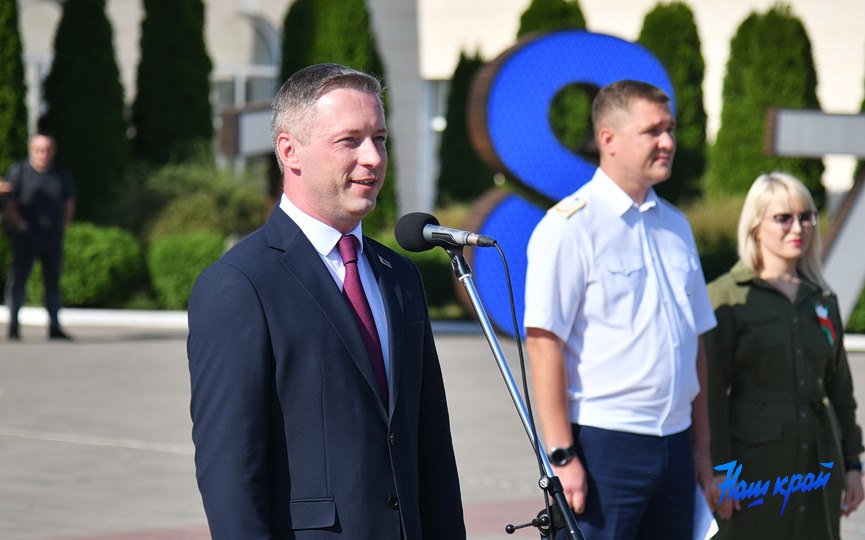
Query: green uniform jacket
pixel 780 403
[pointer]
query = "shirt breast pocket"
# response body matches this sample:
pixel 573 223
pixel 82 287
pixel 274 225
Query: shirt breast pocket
pixel 623 278
pixel 764 337
pixel 683 272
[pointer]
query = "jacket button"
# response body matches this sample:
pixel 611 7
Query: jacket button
pixel 392 439
pixel 393 502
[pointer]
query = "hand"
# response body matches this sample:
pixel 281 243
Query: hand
pixel 723 509
pixel 574 484
pixel 704 473
pixel 853 494
pixel 5 187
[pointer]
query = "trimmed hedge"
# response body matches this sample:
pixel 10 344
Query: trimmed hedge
pixel 105 267
pixel 175 261
pixel 102 265
pixel 188 196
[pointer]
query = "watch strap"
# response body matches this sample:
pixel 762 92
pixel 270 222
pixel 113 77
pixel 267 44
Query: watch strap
pixel 562 456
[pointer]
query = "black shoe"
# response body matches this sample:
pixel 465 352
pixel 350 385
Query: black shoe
pixel 14 335
pixel 59 334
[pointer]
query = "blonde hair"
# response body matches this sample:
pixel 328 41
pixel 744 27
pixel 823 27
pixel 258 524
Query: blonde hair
pixel 762 191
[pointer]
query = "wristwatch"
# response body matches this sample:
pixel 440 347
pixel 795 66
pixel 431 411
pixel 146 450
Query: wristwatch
pixel 562 456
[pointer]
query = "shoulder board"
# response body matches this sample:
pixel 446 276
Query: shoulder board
pixel 567 207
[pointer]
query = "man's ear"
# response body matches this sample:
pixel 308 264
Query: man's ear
pixel 286 150
pixel 606 141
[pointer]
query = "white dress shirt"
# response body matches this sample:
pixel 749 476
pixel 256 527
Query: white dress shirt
pixel 324 239
pixel 621 285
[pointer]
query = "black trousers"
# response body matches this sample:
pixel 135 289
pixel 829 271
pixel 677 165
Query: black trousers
pixel 27 248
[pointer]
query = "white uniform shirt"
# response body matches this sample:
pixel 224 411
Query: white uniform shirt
pixel 621 285
pixel 324 239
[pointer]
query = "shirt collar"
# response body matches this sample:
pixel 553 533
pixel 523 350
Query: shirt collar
pixel 741 274
pixel 616 198
pixel 323 237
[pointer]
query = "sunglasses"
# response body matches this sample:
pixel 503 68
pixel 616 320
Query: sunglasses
pixel 806 219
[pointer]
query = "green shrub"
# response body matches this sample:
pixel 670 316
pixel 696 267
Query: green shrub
pixel 101 266
pixel 714 222
pixel 194 212
pixel 191 196
pixel 175 262
pixel 5 259
pixel 856 324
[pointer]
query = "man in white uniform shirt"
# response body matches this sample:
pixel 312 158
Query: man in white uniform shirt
pixel 615 306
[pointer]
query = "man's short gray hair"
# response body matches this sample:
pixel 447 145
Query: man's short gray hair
pixel 299 93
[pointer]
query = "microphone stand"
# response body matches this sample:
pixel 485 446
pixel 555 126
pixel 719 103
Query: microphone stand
pixel 547 525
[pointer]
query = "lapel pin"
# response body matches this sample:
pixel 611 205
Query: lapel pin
pixel 384 261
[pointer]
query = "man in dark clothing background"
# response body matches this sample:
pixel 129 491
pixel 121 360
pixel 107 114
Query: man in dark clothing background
pixel 38 210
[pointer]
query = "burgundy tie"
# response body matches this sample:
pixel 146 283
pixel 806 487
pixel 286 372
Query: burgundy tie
pixel 353 290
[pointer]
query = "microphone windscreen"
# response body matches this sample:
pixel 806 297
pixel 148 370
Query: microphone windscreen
pixel 409 231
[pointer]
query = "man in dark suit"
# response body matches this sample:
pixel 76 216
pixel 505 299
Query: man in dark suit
pixel 310 420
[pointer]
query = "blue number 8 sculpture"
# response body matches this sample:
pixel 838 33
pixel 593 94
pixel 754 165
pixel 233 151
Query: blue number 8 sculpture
pixel 509 124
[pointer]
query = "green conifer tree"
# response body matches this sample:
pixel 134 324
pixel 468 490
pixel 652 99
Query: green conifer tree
pixel 570 112
pixel 860 166
pixel 770 65
pixel 547 15
pixel 462 175
pixel 172 113
pixel 670 33
pixel 13 111
pixel 85 106
pixel 339 31
pixel 299 25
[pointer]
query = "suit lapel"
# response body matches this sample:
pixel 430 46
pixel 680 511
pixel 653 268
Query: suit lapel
pixel 388 284
pixel 303 262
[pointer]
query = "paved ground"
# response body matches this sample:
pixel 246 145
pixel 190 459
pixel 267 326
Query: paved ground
pixel 94 437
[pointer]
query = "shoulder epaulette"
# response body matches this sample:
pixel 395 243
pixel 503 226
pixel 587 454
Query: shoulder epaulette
pixel 567 207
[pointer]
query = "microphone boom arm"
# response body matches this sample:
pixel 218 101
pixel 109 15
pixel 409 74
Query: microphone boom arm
pixel 550 483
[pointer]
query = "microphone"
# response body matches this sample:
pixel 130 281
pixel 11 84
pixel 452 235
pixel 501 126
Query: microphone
pixel 419 232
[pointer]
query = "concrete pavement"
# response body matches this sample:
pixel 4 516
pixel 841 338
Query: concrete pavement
pixel 95 445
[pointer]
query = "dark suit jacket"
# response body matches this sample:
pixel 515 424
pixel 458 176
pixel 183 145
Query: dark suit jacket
pixel 291 437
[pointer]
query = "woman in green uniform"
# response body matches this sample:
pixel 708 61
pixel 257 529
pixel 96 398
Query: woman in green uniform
pixel 780 391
